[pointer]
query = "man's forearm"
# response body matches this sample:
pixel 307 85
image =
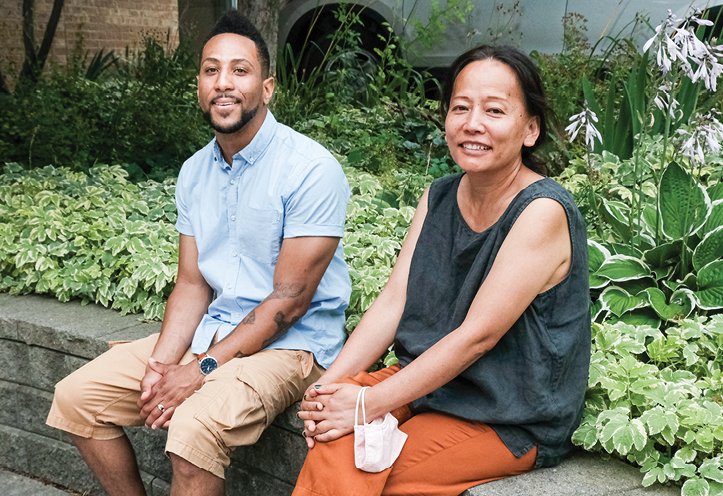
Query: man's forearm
pixel 266 323
pixel 185 308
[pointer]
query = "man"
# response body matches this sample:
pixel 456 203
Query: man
pixel 258 306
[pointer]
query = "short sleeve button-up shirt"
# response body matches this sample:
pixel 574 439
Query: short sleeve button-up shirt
pixel 282 185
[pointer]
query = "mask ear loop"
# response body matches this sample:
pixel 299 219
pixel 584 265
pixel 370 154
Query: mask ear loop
pixel 360 398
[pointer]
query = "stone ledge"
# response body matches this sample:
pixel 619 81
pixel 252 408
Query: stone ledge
pixel 47 339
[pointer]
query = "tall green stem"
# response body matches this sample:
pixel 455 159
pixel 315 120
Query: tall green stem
pixel 663 156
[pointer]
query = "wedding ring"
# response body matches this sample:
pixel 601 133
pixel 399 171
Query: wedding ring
pixel 161 408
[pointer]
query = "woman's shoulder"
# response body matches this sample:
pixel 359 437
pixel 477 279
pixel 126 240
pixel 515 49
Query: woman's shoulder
pixel 442 187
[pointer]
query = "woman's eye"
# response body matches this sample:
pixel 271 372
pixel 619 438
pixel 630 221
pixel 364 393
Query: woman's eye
pixel 495 111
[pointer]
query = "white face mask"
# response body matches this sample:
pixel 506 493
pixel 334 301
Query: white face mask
pixel 377 444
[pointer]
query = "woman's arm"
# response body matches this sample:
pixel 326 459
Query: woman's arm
pixel 376 330
pixel 533 258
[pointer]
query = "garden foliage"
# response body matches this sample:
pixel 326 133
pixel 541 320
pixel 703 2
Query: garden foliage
pixel 100 238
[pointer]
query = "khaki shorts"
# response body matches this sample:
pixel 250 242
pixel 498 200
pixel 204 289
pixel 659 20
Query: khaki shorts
pixel 235 404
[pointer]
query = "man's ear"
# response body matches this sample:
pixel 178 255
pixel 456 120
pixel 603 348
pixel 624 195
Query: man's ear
pixel 269 85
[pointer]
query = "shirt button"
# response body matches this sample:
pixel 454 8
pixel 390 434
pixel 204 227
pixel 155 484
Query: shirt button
pixel 236 315
pixel 234 254
pixel 233 181
pixel 233 217
pixel 228 286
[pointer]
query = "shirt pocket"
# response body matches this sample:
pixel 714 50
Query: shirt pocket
pixel 260 234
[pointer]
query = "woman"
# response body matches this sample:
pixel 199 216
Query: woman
pixel 488 307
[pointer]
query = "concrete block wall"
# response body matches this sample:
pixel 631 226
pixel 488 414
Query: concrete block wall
pixel 95 24
pixel 42 341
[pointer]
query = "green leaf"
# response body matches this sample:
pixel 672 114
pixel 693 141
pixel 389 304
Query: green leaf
pixel 710 249
pixel 663 254
pixel 710 286
pixel 681 304
pixel 652 475
pixel 620 301
pixel 715 192
pixel 597 254
pixel 617 214
pixel 585 436
pixel 596 309
pixel 695 487
pixel 710 469
pixel 715 219
pixel 683 203
pixel 623 268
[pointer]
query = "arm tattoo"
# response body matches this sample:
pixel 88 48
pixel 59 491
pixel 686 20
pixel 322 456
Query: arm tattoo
pixel 286 290
pixel 281 291
pixel 250 318
pixel 281 327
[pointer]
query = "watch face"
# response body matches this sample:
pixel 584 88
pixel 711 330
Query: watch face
pixel 208 365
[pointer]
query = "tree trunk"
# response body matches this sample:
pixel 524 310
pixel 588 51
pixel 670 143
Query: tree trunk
pixel 3 85
pixel 35 58
pixel 265 16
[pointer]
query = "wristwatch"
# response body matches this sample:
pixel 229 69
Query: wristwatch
pixel 208 363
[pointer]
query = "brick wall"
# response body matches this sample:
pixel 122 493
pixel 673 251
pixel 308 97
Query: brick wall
pixel 109 24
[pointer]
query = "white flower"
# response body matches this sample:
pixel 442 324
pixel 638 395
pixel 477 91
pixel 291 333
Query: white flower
pixel 707 134
pixel 585 118
pixel 667 50
pixel 685 47
pixel 665 101
pixel 709 69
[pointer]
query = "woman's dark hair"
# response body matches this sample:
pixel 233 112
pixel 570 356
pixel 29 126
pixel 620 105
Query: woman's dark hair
pixel 236 23
pixel 528 76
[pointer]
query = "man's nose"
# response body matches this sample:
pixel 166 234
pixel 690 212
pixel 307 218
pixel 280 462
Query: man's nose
pixel 224 80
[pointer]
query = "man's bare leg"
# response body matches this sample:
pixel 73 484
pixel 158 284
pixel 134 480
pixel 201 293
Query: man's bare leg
pixel 189 480
pixel 113 462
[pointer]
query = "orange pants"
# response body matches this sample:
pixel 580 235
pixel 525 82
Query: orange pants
pixel 443 456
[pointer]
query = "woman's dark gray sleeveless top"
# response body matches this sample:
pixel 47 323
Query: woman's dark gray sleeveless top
pixel 530 387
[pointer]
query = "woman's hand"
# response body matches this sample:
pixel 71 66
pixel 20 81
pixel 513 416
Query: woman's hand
pixel 308 403
pixel 328 412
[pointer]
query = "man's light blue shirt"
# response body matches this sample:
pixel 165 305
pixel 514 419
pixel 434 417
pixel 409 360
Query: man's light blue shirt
pixel 282 185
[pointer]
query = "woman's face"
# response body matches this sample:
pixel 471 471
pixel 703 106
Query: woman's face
pixel 487 123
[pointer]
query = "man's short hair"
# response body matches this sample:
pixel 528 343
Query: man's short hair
pixel 236 23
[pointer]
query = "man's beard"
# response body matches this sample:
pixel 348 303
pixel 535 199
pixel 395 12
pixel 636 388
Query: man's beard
pixel 245 118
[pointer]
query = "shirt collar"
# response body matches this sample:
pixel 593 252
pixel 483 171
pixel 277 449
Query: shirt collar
pixel 251 152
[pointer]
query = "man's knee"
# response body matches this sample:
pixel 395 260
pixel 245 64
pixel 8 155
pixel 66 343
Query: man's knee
pixel 71 395
pixel 182 467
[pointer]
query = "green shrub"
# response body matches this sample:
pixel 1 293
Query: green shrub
pixel 654 399
pixel 143 114
pixel 100 238
pixel 96 237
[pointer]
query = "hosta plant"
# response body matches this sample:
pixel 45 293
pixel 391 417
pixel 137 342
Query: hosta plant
pixel 672 266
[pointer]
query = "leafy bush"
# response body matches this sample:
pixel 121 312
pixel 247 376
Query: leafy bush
pixel 100 238
pixel 676 265
pixel 654 398
pixel 144 115
pixel 96 237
